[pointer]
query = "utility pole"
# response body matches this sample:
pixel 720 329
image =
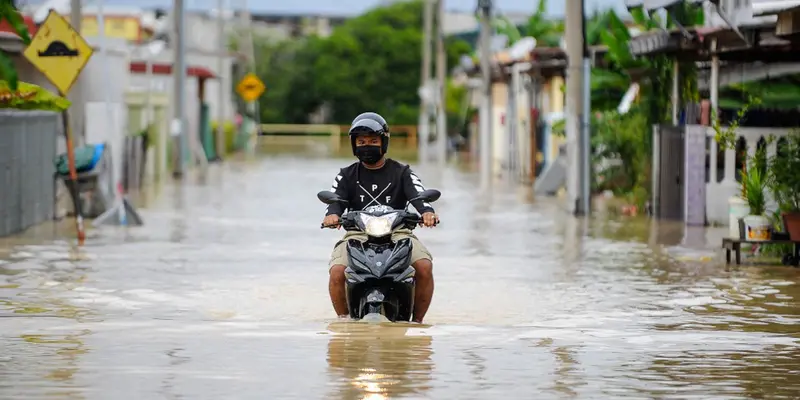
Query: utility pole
pixel 441 79
pixel 577 195
pixel 485 112
pixel 586 149
pixel 247 43
pixel 425 79
pixel 179 72
pixel 224 85
pixel 77 113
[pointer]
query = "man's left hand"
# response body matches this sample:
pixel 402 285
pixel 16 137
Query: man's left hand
pixel 429 219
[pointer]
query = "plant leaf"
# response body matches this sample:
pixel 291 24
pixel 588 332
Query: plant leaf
pixel 30 97
pixel 17 23
pixel 8 72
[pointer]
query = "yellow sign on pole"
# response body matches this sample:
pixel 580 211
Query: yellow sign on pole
pixel 250 88
pixel 59 52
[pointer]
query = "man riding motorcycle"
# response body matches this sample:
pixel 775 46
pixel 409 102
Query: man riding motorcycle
pixel 377 180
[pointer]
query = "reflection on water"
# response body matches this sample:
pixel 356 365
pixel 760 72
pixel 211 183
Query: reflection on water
pixel 378 361
pixel 35 364
pixel 224 291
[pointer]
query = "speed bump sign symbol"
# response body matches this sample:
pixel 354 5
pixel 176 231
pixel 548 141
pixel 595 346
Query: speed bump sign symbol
pixel 250 88
pixel 59 52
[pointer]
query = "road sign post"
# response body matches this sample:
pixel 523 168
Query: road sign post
pixel 250 88
pixel 60 53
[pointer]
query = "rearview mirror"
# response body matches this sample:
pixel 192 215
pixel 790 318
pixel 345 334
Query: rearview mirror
pixel 328 197
pixel 428 195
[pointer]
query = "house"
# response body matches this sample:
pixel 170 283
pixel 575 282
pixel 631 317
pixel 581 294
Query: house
pixel 522 139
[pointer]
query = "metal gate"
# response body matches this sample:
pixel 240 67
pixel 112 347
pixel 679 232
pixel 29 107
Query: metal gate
pixel 27 150
pixel 671 172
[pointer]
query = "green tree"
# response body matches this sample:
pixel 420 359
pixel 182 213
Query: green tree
pixel 547 32
pixel 654 74
pixel 627 137
pixel 371 62
pixel 9 13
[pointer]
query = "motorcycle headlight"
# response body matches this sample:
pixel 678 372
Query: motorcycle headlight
pixel 378 226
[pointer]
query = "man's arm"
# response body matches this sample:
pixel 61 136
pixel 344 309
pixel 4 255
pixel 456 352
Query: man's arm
pixel 339 187
pixel 412 187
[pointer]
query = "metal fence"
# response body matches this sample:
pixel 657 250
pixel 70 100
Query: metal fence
pixel 27 150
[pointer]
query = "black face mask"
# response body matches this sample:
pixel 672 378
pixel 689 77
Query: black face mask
pixel 369 154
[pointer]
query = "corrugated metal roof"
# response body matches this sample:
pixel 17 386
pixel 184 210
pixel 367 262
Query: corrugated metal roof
pixel 650 5
pixel 771 7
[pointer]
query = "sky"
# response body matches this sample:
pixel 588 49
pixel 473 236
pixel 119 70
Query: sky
pixel 353 7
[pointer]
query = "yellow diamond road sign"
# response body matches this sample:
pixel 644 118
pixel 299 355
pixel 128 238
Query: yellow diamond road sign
pixel 59 52
pixel 250 88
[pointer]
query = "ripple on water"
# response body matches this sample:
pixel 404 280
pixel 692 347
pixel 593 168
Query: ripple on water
pixel 223 291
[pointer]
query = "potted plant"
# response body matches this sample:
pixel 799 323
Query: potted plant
pixel 784 170
pixel 757 226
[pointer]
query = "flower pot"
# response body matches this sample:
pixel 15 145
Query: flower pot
pixel 792 223
pixel 737 208
pixel 757 228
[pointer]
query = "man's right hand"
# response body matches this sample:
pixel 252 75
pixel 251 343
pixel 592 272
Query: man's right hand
pixel 330 221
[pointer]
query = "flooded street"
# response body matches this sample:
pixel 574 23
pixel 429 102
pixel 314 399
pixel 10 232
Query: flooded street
pixel 223 294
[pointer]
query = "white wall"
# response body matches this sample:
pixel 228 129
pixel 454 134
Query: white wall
pixel 212 86
pixel 107 84
pixel 739 12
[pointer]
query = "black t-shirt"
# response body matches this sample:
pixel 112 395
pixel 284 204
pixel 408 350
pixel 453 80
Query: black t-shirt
pixel 391 185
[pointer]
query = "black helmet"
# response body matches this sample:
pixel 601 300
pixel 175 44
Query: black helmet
pixel 373 116
pixel 370 123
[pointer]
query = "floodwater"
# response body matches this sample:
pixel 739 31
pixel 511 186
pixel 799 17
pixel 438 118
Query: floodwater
pixel 223 294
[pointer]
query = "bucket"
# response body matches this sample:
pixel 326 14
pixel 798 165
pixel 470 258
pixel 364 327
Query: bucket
pixel 737 208
pixel 757 228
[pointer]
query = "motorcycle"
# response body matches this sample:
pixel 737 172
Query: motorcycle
pixel 379 278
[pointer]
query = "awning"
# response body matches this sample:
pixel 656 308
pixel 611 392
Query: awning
pixel 5 27
pixel 140 67
pixel 772 7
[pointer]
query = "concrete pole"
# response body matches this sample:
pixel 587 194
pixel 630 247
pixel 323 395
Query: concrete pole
pixel 179 73
pixel 77 112
pixel 76 14
pixel 510 120
pixel 252 107
pixel 425 79
pixel 513 119
pixel 586 114
pixel 148 99
pixel 485 130
pixel 586 149
pixel 224 85
pixel 676 91
pixel 713 88
pixel 441 79
pixel 574 41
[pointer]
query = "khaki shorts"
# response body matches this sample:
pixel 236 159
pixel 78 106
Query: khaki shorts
pixel 418 250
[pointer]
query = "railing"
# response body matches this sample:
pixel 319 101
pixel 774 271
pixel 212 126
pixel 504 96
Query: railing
pixel 336 132
pixel 724 166
pixel 27 184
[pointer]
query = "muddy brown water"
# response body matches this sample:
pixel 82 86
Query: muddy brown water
pixel 222 294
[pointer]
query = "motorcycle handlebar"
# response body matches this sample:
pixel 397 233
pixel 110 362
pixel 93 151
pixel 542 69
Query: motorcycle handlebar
pixel 413 218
